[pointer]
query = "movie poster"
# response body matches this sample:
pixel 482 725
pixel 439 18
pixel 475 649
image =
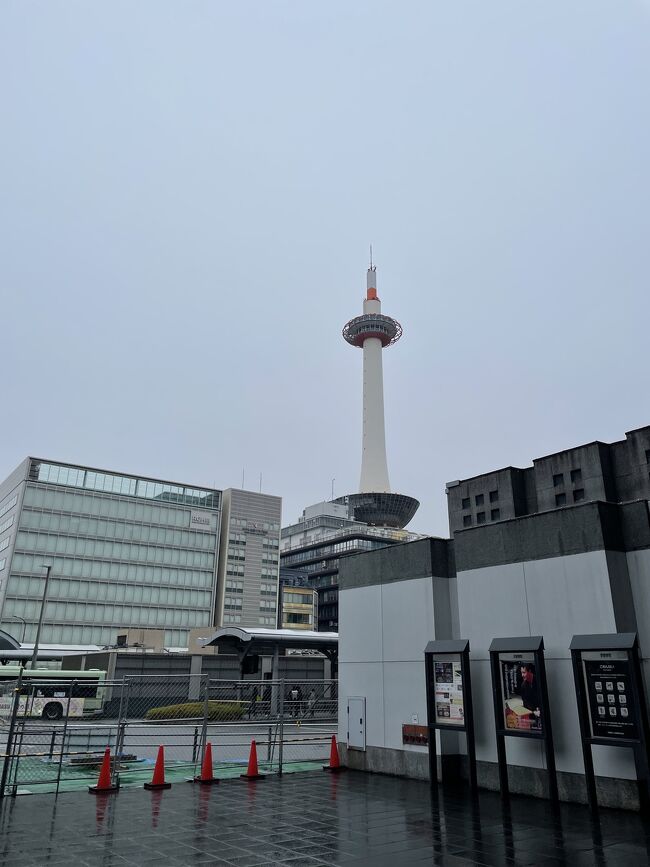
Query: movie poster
pixel 448 689
pixel 521 694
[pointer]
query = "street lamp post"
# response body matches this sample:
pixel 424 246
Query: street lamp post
pixel 24 622
pixel 48 569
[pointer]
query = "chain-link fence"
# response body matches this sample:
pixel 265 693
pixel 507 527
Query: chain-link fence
pixel 53 735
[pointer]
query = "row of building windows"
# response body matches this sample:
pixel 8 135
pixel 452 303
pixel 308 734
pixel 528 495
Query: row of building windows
pixel 34 564
pixel 269 527
pixel 126 485
pixel 294 598
pixel 575 475
pixel 234 586
pixel 159 535
pixel 267 603
pixel 293 617
pixel 99 548
pixel 479 499
pixel 5 543
pixel 66 633
pixel 338 547
pixel 481 517
pixel 578 494
pixel 232 618
pixel 9 505
pixel 110 591
pixel 3 563
pixel 119 615
pixel 231 602
pixel 105 507
pixel 267 621
pixel 234 569
pixel 5 526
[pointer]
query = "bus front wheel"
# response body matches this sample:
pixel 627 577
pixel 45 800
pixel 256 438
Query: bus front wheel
pixel 52 711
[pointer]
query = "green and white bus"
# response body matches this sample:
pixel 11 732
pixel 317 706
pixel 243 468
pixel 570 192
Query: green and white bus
pixel 48 693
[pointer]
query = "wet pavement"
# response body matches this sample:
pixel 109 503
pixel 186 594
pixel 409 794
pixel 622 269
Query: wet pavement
pixel 311 819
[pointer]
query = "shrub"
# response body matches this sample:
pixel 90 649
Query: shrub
pixel 217 710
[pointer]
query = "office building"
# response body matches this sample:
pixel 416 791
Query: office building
pixel 315 544
pixel 124 551
pixel 249 560
pixel 128 552
pixel 298 602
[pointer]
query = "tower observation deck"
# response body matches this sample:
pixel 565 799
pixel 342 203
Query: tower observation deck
pixel 372 332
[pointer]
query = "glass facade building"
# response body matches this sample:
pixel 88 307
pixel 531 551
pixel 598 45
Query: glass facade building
pixel 124 552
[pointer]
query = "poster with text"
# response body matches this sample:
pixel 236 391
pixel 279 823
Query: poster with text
pixel 448 689
pixel 612 705
pixel 521 694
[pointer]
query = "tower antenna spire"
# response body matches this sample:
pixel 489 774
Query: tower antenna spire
pixel 371 257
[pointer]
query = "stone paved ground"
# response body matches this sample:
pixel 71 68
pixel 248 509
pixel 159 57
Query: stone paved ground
pixel 311 820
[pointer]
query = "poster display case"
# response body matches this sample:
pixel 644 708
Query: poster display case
pixel 520 697
pixel 611 703
pixel 449 698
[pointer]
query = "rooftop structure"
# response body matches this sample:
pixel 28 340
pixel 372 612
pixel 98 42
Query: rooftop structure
pixel 615 472
pixel 372 332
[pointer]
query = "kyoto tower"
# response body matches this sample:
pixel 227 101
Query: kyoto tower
pixel 373 332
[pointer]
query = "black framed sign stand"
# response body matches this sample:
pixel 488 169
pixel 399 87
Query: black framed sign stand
pixel 521 707
pixel 611 704
pixel 449 699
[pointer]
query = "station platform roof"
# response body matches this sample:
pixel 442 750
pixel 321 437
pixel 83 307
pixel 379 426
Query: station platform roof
pixel 245 640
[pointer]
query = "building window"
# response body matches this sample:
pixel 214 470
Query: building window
pixel 560 499
pixel 647 456
pixel 494 496
pixel 495 514
pixel 467 520
pixel 576 475
pixel 466 503
pixel 558 480
pixel 480 517
pixel 478 499
pixel 578 494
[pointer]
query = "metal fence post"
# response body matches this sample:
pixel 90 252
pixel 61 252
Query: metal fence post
pixel 10 734
pixel 71 687
pixel 120 732
pixel 204 728
pixel 281 727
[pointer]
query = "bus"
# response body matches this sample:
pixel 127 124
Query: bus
pixel 48 693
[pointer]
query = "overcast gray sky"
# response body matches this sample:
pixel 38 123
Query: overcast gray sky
pixel 187 194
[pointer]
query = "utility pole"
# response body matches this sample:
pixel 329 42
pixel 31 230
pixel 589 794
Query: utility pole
pixel 48 569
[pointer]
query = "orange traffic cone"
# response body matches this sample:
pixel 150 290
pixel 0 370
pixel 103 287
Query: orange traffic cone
pixel 335 764
pixel 206 778
pixel 104 782
pixel 158 779
pixel 252 773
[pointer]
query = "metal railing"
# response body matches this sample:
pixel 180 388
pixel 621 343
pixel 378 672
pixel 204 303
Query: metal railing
pixel 53 735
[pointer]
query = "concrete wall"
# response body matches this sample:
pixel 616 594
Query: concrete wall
pixel 391 603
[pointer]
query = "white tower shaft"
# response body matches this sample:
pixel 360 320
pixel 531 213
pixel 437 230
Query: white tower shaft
pixel 374 466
